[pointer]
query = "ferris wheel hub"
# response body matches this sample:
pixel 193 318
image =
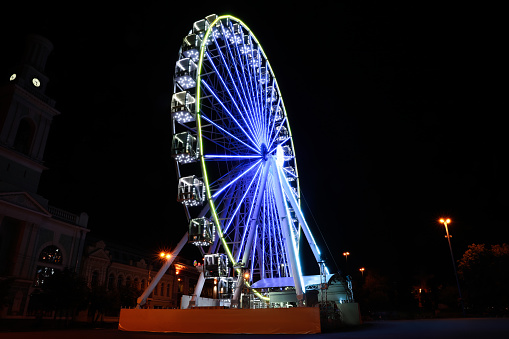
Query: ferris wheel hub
pixel 264 152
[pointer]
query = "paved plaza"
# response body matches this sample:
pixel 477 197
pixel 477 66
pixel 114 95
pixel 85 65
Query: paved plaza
pixel 470 328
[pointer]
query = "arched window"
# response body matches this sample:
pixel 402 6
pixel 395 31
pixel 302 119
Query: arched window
pixel 24 136
pixel 51 255
pixel 50 258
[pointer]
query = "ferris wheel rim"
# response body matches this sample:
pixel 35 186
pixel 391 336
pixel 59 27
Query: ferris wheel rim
pixel 199 129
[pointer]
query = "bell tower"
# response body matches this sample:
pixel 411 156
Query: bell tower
pixel 26 114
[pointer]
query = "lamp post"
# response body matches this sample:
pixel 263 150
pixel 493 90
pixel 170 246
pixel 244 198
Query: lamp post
pixel 346 254
pixel 446 222
pixel 362 269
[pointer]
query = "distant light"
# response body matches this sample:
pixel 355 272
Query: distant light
pixel 445 221
pixel 162 254
pixel 168 256
pixel 12 77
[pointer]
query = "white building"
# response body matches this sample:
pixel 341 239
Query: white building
pixel 35 238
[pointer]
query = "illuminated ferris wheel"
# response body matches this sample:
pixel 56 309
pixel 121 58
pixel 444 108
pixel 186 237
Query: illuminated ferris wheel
pixel 235 160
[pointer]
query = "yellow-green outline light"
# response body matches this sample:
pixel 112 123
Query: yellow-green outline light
pixel 198 121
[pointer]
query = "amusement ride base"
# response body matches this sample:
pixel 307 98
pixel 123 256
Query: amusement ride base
pixel 297 320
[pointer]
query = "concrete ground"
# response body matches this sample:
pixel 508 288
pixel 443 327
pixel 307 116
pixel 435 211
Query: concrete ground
pixel 469 328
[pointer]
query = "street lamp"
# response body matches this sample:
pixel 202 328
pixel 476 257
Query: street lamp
pixel 164 255
pixel 346 254
pixel 362 269
pixel 446 222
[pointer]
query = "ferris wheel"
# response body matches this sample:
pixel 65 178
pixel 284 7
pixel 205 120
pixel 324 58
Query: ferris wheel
pixel 235 159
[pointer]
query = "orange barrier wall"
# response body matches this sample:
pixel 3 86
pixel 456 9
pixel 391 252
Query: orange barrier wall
pixel 297 320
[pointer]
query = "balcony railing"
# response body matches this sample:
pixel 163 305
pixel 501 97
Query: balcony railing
pixel 63 215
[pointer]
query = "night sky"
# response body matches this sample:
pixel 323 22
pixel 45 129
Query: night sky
pixel 396 114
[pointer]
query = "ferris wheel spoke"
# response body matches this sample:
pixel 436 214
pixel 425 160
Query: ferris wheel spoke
pixel 273 240
pixel 251 112
pixel 226 133
pixel 264 117
pixel 290 173
pixel 242 80
pixel 226 88
pixel 228 111
pixel 267 248
pixel 253 93
pixel 242 98
pixel 263 237
pixel 261 95
pixel 232 80
pixel 230 157
pixel 237 178
pixel 257 95
pixel 275 135
pixel 253 254
pixel 242 199
pixel 254 213
pixel 270 126
pixel 240 167
pixel 246 227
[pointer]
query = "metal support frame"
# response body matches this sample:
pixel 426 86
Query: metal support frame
pixel 300 217
pixel 286 228
pixel 143 298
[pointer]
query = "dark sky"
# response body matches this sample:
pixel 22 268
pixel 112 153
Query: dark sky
pixel 395 111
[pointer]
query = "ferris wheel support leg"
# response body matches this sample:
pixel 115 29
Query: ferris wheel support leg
pixel 143 298
pixel 238 289
pixel 295 205
pixel 197 290
pixel 287 232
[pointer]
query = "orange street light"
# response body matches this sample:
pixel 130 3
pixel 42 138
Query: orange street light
pixel 446 222
pixel 346 254
pixel 164 255
pixel 362 269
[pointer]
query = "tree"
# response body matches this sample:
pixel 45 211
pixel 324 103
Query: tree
pixel 65 292
pixel 484 272
pixel 99 301
pixel 5 286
